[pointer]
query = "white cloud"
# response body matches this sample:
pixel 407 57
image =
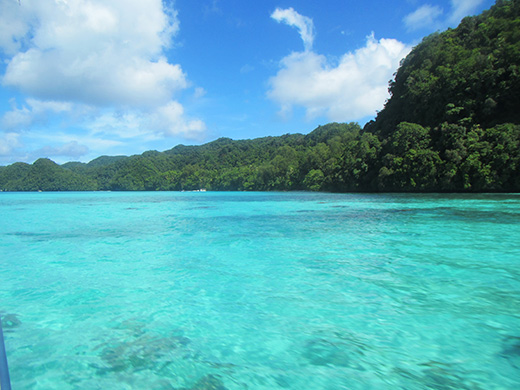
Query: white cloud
pixel 304 24
pixel 104 54
pixel 426 15
pixel 123 125
pixel 91 141
pixel 462 8
pixel 429 17
pixel 171 121
pixel 39 106
pixel 168 120
pixel 96 52
pixel 71 149
pixel 13 26
pixel 17 118
pixel 8 142
pixel 352 89
pixel 34 110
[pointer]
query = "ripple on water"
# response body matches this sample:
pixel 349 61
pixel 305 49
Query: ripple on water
pixel 261 291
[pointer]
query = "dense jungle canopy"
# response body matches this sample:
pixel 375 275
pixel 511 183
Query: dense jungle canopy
pixel 452 124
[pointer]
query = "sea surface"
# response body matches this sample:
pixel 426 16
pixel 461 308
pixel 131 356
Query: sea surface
pixel 274 291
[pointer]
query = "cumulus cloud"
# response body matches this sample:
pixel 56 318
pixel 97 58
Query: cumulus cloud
pixel 425 15
pixel 124 125
pixel 33 110
pixel 104 54
pixel 100 80
pixel 171 120
pixel 304 24
pixel 353 88
pixel 17 118
pixel 94 52
pixel 14 26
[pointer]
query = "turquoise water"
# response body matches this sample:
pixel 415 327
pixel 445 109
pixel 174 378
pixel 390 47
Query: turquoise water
pixel 259 291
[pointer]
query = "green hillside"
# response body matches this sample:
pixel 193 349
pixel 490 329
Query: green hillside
pixel 452 124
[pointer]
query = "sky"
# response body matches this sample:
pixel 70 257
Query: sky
pixel 85 78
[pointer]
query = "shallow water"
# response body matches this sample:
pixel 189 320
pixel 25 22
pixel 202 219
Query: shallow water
pixel 259 291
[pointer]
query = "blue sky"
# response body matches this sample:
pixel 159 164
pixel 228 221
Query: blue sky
pixel 84 78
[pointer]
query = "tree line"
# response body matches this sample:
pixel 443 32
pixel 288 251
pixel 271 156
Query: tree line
pixel 452 124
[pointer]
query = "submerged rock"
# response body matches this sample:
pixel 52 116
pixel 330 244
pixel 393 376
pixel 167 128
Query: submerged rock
pixel 436 376
pixel 208 382
pixel 142 353
pixel 511 351
pixel 10 321
pixel 512 347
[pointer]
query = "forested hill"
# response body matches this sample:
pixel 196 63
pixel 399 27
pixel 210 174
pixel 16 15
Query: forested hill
pixel 289 162
pixel 469 75
pixel 452 123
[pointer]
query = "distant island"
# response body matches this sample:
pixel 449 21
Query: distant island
pixel 452 124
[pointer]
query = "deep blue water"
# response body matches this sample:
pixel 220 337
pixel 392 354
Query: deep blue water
pixel 259 291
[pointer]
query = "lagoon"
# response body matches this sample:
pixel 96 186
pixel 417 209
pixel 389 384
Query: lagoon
pixel 231 290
